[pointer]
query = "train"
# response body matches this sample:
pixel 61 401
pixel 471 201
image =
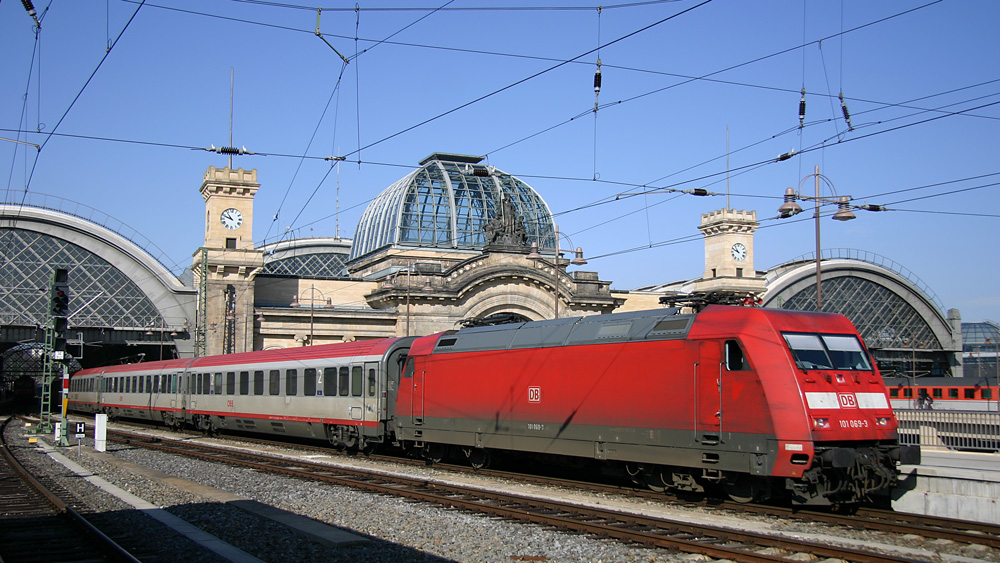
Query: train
pixel 741 401
pixel 967 394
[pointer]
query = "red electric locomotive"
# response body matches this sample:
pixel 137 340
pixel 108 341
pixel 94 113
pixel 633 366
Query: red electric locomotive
pixel 756 402
pixel 760 402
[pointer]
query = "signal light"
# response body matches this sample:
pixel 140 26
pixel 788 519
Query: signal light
pixel 59 299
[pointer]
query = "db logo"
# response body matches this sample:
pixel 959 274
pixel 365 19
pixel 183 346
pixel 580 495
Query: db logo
pixel 534 394
pixel 848 400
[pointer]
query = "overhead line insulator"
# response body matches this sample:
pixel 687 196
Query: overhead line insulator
pixel 847 115
pixel 802 109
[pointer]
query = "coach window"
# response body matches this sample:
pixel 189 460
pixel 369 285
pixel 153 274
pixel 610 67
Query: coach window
pixel 894 393
pixel 128 384
pixel 141 381
pixel 371 382
pixel 986 393
pixel 735 361
pixel 273 387
pixel 218 383
pixel 244 383
pixel 936 393
pixel 149 383
pixel 952 393
pixel 907 393
pixel 357 381
pixel 345 382
pixel 230 383
pixel 258 382
pixel 193 383
pixel 291 382
pixel 970 393
pixel 309 382
pixel 330 382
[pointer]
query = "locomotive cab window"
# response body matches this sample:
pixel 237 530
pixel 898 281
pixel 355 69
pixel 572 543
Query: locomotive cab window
pixel 827 351
pixel 735 360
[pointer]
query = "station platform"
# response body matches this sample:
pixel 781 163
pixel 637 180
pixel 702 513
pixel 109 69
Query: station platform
pixel 952 484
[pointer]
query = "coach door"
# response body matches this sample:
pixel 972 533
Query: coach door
pixel 371 393
pixel 708 394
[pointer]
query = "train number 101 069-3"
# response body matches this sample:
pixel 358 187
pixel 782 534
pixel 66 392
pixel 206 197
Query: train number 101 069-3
pixel 854 423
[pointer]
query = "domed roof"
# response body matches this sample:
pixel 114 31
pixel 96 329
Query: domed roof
pixel 446 203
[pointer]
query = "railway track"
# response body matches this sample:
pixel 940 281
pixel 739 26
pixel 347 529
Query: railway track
pixel 37 526
pixel 874 519
pixel 716 542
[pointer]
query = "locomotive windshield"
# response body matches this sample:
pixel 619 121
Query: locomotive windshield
pixel 828 351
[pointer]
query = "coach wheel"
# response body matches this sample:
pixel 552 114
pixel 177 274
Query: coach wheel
pixel 479 458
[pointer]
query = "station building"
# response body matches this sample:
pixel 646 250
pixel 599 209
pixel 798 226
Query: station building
pixel 453 243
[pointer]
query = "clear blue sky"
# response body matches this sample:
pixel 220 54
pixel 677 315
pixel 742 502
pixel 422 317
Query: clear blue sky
pixel 921 81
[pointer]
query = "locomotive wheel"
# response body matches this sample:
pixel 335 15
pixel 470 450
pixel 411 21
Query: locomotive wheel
pixel 653 479
pixel 479 458
pixel 434 453
pixel 745 488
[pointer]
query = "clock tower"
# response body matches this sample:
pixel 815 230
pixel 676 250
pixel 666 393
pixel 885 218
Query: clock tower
pixel 225 265
pixel 729 252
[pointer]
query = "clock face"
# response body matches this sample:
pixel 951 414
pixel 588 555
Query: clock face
pixel 739 251
pixel 231 219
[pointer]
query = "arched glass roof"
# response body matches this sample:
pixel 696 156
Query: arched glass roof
pixel 101 295
pixel 883 318
pixel 446 204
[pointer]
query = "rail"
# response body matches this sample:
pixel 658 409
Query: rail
pixel 966 431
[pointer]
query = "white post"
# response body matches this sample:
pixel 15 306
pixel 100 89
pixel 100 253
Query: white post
pixel 100 432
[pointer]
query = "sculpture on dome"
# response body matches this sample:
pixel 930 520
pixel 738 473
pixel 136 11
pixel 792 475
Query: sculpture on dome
pixel 507 230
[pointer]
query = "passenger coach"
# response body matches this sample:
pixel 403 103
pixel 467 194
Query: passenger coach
pixel 334 391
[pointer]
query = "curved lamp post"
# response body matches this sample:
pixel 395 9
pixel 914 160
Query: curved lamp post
pixel 790 208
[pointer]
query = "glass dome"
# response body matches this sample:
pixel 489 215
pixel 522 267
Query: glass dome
pixel 446 203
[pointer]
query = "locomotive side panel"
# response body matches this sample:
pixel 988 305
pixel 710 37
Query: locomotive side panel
pixel 632 401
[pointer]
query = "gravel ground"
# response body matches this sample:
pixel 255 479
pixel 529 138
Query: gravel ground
pixel 397 530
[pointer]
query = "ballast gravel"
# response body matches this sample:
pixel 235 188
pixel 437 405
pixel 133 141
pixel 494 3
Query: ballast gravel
pixel 396 529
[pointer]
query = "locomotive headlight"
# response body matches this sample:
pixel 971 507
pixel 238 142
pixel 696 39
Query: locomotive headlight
pixel 821 423
pixel 882 421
